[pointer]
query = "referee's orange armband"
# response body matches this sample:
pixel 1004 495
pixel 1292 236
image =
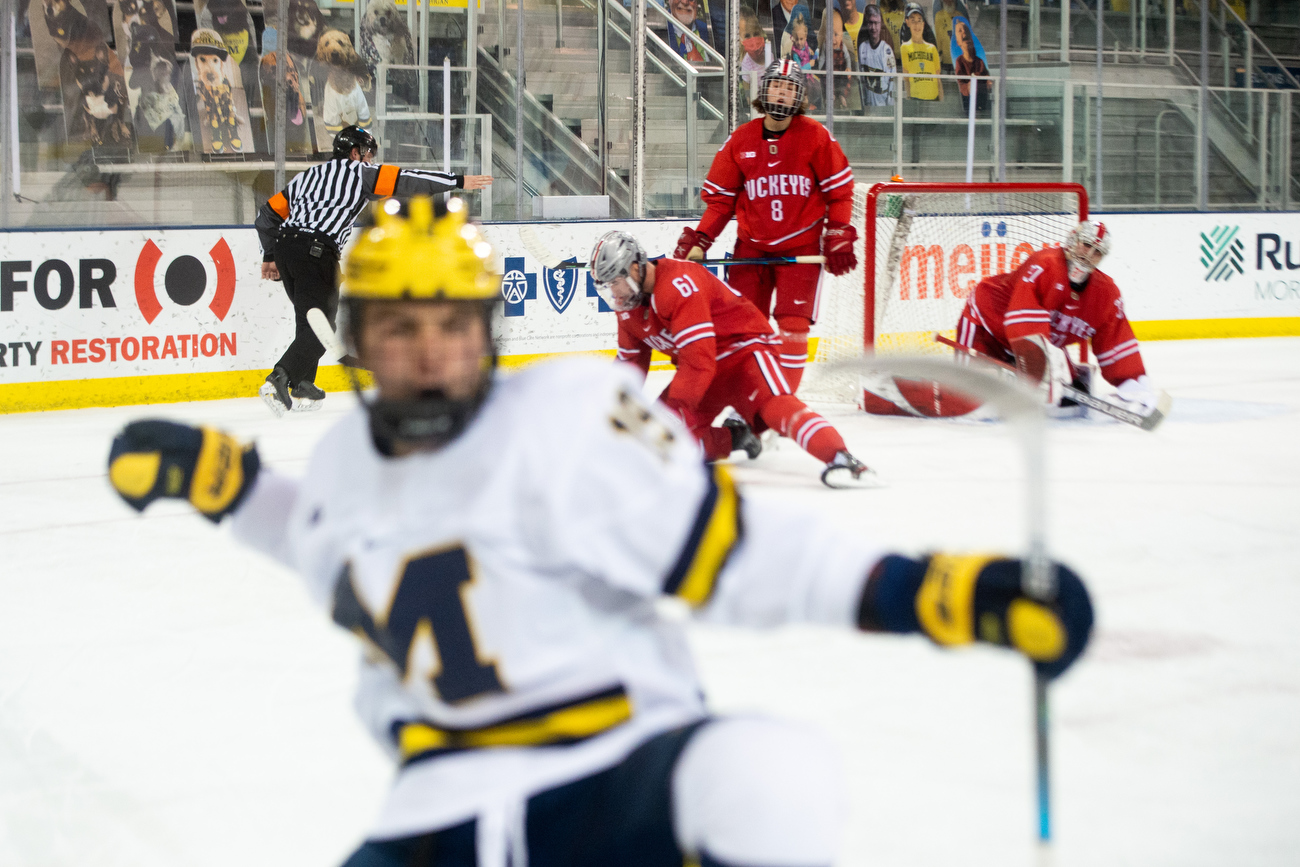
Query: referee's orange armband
pixel 280 204
pixel 386 183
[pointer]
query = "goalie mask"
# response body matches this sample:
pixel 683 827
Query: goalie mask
pixel 782 100
pixel 411 254
pixel 611 268
pixel 1085 247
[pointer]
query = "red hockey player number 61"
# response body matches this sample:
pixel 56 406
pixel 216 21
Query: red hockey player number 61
pixel 685 286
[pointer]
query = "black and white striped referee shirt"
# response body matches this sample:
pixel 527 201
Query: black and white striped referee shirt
pixel 328 198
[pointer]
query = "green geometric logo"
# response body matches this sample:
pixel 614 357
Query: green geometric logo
pixel 1222 253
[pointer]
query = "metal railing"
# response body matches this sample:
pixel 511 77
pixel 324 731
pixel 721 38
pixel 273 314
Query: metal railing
pixel 1250 126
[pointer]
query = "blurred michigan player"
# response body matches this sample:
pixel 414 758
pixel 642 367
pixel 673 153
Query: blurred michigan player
pixel 498 545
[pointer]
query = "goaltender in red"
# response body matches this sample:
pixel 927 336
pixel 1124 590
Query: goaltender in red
pixel 1056 297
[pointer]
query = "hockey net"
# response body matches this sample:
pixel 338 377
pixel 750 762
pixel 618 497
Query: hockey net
pixel 922 250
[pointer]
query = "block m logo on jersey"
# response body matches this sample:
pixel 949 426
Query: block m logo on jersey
pixel 1222 253
pixel 560 285
pixel 517 286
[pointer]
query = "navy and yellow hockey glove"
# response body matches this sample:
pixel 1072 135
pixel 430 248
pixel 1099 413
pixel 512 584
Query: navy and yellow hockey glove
pixel 211 469
pixel 960 598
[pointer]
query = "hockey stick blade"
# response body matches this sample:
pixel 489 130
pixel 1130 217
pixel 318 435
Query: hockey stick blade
pixel 320 326
pixel 1147 422
pixel 542 253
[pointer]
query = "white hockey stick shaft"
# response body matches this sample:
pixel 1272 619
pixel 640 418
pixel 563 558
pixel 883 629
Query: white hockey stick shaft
pixel 1020 405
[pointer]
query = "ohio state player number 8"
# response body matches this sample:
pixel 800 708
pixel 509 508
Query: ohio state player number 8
pixel 778 211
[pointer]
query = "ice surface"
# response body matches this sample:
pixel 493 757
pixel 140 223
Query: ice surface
pixel 167 698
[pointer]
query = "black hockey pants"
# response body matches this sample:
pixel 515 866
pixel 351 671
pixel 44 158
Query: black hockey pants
pixel 308 262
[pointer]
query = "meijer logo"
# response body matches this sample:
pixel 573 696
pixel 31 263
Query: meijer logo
pixel 1222 253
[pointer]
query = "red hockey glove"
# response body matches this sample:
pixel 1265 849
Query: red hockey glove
pixel 837 246
pixel 692 244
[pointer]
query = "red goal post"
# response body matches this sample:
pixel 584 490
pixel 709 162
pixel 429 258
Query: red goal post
pixel 967 232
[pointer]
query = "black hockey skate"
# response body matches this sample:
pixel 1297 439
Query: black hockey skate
pixel 275 392
pixel 742 438
pixel 847 471
pixel 306 397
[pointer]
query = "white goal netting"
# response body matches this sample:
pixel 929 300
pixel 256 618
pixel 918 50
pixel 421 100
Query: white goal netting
pixel 932 245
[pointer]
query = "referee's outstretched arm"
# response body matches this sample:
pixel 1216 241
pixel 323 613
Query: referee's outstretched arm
pixel 327 198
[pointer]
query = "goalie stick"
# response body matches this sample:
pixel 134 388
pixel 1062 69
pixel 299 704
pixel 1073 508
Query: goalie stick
pixel 1148 422
pixel 550 259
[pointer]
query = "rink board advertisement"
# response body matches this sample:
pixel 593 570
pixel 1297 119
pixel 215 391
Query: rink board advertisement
pixel 1207 275
pixel 143 316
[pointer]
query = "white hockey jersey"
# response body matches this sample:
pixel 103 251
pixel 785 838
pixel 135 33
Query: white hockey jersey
pixel 504 585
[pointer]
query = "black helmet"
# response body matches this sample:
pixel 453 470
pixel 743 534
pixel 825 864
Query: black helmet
pixel 354 137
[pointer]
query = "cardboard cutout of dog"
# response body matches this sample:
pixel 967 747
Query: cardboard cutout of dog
pixel 96 108
pixel 386 38
pixel 221 111
pixel 57 26
pixel 297 124
pixel 340 79
pixel 154 81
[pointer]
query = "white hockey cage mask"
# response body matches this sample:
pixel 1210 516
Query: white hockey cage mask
pixel 611 268
pixel 1086 245
pixel 782 70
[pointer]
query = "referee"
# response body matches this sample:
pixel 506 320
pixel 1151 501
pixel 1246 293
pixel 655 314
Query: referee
pixel 303 228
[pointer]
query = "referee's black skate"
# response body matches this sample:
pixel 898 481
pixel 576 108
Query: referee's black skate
pixel 275 391
pixel 306 396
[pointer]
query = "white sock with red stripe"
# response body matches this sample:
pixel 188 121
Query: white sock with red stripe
pixel 794 348
pixel 790 417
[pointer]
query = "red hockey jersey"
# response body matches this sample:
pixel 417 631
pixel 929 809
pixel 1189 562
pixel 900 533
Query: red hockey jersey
pixel 695 319
pixel 1036 298
pixel 780 189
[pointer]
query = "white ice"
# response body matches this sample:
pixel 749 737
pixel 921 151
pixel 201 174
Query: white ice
pixel 167 698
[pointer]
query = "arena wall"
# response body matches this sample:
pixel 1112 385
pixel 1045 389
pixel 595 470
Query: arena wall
pixel 116 317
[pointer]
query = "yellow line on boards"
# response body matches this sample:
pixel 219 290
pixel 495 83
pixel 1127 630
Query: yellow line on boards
pixel 180 387
pixel 164 388
pixel 1199 329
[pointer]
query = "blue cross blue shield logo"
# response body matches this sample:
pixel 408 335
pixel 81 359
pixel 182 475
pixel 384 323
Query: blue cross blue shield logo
pixel 601 306
pixel 561 285
pixel 517 286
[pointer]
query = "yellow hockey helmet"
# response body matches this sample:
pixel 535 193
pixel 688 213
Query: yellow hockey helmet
pixel 418 257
